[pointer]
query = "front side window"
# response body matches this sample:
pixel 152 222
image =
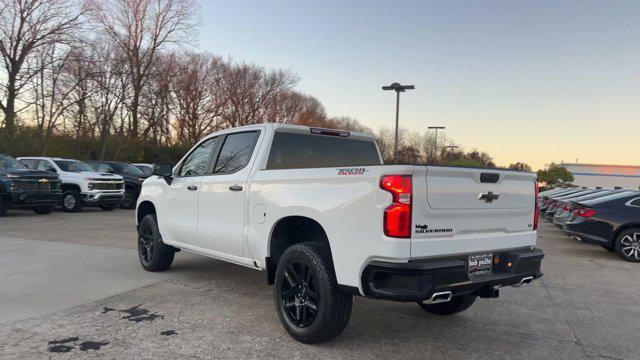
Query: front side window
pixel 236 152
pixel 198 161
pixel 72 165
pixel 45 166
pixel 7 162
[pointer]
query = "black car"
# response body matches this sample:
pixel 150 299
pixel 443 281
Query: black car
pixel 22 188
pixel 133 178
pixel 612 221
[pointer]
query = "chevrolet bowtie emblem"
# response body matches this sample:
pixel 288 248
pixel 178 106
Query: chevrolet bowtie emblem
pixel 488 196
pixel 43 180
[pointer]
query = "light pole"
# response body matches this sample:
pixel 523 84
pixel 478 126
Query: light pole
pixel 398 89
pixel 435 145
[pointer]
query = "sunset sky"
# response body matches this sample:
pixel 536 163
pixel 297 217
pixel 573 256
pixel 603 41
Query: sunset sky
pixel 532 81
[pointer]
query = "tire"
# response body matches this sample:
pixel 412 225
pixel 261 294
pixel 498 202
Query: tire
pixel 71 201
pixel 628 245
pixel 308 301
pixel 457 304
pixel 153 254
pixel 3 208
pixel 129 200
pixel 43 210
pixel 108 207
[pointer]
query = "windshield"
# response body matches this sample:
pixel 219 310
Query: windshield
pixel 7 162
pixel 72 165
pixel 130 169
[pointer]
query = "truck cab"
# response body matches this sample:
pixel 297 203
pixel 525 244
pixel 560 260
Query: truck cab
pixel 81 185
pixel 22 188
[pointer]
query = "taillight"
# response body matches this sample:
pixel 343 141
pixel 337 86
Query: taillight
pixel 566 208
pixel 535 213
pixel 397 216
pixel 585 213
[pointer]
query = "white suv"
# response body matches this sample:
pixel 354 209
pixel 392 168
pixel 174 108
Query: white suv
pixel 81 185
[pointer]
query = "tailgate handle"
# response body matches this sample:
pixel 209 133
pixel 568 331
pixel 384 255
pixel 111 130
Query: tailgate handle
pixel 491 178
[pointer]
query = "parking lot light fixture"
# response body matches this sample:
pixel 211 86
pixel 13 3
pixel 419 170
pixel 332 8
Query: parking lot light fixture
pixel 398 88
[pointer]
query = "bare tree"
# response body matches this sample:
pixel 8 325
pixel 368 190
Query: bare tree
pixel 199 101
pixel 53 89
pixel 142 28
pixel 252 92
pixel 109 87
pixel 25 27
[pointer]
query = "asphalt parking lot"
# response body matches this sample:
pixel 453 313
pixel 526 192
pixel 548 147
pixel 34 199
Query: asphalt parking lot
pixel 71 287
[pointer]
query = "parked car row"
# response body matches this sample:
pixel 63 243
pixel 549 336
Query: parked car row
pixel 607 217
pixel 42 183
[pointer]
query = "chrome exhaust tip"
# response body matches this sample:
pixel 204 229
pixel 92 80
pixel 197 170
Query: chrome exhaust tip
pixel 525 280
pixel 439 297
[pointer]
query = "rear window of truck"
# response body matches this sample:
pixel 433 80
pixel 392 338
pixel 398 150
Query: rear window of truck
pixel 299 151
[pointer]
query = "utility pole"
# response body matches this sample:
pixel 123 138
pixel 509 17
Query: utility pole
pixel 435 145
pixel 398 89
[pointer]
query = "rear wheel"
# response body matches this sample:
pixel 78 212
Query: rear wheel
pixel 154 255
pixel 628 245
pixel 457 304
pixel 71 201
pixel 309 303
pixel 43 210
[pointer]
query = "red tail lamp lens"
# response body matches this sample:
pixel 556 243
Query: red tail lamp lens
pixel 397 217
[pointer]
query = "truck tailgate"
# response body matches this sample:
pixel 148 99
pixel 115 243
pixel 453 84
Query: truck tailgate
pixel 462 210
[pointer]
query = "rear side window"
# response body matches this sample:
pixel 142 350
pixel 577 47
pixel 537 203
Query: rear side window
pixel 44 165
pixel 299 151
pixel 634 202
pixel 30 163
pixel 236 152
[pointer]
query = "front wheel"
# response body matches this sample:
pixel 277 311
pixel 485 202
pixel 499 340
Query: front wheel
pixel 457 304
pixel 628 245
pixel 154 255
pixel 71 201
pixel 129 200
pixel 309 303
pixel 43 210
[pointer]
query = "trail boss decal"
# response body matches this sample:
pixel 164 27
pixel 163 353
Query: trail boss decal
pixel 424 229
pixel 352 171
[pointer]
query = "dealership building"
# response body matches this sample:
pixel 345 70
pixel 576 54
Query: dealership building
pixel 606 176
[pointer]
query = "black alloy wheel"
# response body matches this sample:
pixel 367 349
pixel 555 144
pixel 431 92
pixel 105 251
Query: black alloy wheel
pixel 299 294
pixel 154 255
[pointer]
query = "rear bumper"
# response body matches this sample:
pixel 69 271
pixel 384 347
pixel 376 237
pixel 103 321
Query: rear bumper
pixel 30 199
pixel 418 280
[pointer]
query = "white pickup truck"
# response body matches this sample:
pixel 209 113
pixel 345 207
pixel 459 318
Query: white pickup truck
pixel 81 185
pixel 319 212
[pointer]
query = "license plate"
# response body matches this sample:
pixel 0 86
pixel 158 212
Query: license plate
pixel 480 264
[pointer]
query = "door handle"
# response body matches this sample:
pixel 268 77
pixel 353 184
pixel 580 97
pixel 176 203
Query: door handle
pixel 192 188
pixel 235 188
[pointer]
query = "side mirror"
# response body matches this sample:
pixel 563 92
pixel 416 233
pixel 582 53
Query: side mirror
pixel 164 170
